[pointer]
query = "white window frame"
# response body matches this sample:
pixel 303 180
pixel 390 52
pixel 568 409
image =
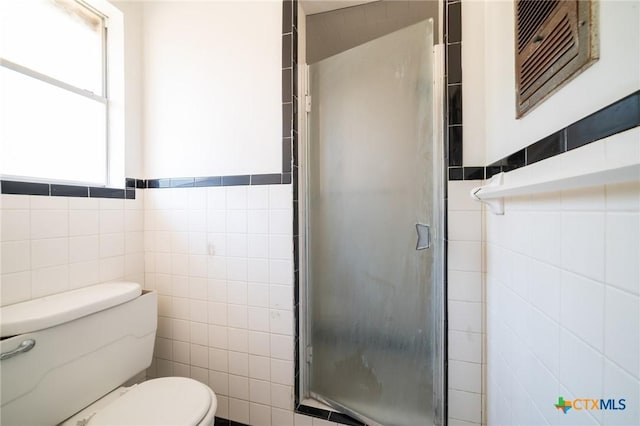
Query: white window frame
pixel 112 92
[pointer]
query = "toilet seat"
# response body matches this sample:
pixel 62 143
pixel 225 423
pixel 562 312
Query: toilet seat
pixel 169 401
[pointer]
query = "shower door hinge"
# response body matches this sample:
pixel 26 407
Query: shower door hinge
pixel 309 354
pixel 307 103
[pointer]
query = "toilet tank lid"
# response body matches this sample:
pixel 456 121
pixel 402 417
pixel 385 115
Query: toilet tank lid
pixel 56 309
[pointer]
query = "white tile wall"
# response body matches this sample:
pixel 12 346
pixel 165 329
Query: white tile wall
pixel 570 324
pixel 221 261
pixel 53 244
pixel 465 295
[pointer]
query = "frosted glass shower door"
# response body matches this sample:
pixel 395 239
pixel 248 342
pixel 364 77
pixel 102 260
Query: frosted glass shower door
pixel 371 180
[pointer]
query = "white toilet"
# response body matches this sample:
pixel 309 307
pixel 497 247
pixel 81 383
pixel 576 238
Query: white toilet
pixel 64 357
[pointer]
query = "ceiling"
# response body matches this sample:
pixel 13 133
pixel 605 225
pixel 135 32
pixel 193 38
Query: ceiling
pixel 312 7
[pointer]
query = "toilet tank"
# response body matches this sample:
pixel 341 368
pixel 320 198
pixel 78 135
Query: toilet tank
pixel 87 342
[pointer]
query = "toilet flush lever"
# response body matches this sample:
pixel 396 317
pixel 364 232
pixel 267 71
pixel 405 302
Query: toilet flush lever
pixel 25 346
pixel 424 236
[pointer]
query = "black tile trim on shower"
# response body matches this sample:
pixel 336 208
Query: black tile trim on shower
pixel 615 118
pixel 58 190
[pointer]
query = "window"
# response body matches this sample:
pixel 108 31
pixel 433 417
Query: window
pixel 60 88
pixel 555 40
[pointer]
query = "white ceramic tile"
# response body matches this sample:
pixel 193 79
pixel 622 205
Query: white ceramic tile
pixel 165 329
pixel 180 308
pixel 110 204
pixel 49 281
pixel 217 313
pixel 576 357
pixel 260 391
pixel 282 396
pixel 258 295
pixel 217 267
pixel 238 316
pixel 259 414
pixel 163 348
pixel 198 243
pixel 219 382
pixel 258 319
pixel 180 264
pixel 237 269
pixel 111 244
pixel 111 268
pixel 281 272
pixel 281 221
pixel 583 244
pixel 280 196
pixel 15 287
pixel 281 347
pixel 198 311
pixel 321 422
pixel 258 197
pixel 622 329
pixel 111 221
pixel 582 308
pixel 134 242
pixel 239 411
pixel 281 322
pixel 464 286
pixel 236 197
pixel 464 346
pixel 543 338
pixel 257 246
pixel 282 372
pixel 133 220
pixel 586 199
pixel 218 360
pixel 258 270
pixel 619 384
pixel 82 274
pixel 237 221
pixel 281 297
pixel 197 198
pixel 465 376
pixel 218 336
pixel 259 367
pixel 544 288
pixel 49 223
pixel 302 420
pixel 237 245
pixel 216 197
pixel 623 251
pixel 238 340
pixel 464 226
pixel 216 220
pixel 223 407
pixel 83 248
pixel 10 202
pixel 200 374
pixel 15 225
pixel 217 244
pixel 238 387
pixel 49 203
pixel 546 237
pixel 464 406
pixel 181 352
pixel 259 343
pixel 280 247
pixel 16 256
pixel 49 252
pixel 258 221
pixel 198 288
pixel 465 316
pixel 623 196
pixel 281 417
pixel 198 266
pixel 459 198
pixel 217 291
pixel 465 256
pixel 239 363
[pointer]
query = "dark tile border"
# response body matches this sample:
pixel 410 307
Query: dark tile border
pixel 219 421
pixel 615 118
pixel 58 190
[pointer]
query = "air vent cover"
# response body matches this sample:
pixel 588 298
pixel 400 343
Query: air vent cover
pixel 555 40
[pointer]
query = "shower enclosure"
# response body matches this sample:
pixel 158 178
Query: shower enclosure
pixel 372 303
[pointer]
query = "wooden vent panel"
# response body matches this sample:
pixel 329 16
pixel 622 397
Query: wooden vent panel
pixel 554 41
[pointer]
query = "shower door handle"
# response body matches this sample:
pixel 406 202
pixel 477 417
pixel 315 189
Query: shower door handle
pixel 424 236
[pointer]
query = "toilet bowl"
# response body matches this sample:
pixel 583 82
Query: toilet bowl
pixel 65 358
pixel 166 401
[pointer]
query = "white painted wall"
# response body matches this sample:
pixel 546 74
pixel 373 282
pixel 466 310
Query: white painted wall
pixel 133 87
pixel 614 76
pixel 212 88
